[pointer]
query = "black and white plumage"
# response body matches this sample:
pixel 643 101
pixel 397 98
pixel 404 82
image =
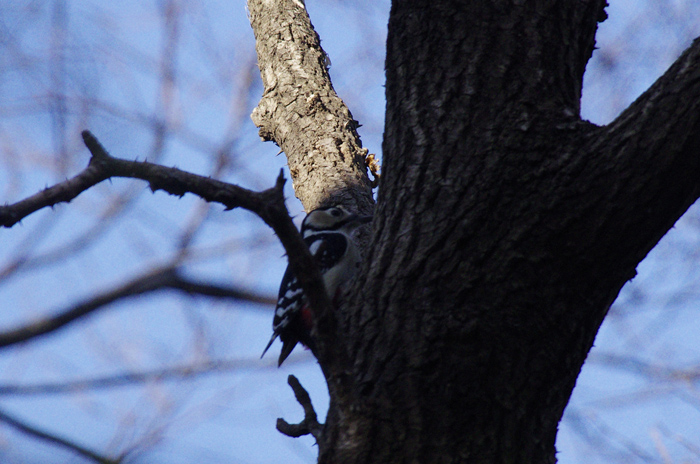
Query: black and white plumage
pixel 328 232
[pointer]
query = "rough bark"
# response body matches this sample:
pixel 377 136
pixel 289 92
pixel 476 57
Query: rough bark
pixel 505 228
pixel 301 112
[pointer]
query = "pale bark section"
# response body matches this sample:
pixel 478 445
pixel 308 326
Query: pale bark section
pixel 301 112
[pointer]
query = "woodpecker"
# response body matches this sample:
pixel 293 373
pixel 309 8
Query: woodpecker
pixel 328 232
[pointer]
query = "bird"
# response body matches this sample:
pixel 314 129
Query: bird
pixel 328 232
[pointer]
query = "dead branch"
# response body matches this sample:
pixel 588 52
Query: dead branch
pixel 102 166
pixel 310 424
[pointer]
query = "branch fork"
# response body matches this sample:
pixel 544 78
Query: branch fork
pixel 268 204
pixel 310 424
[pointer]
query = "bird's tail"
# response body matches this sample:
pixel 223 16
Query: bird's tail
pixel 269 344
pixel 287 348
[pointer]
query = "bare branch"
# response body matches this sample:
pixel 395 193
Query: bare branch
pixel 135 287
pixel 268 204
pixel 63 192
pixel 130 378
pixel 159 279
pixel 310 424
pixel 178 282
pixel 102 166
pixel 43 435
pixel 177 182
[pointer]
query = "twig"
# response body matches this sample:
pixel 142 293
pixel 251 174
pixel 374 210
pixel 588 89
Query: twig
pixel 102 166
pixel 62 192
pixel 43 326
pixel 130 378
pixel 177 282
pixel 310 424
pixel 653 371
pixel 38 433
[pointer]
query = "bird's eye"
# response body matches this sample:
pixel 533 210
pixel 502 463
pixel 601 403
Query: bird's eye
pixel 335 212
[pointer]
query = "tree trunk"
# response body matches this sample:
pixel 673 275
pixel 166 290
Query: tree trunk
pixel 505 228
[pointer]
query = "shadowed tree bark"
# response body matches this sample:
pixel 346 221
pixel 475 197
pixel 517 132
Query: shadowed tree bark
pixel 505 225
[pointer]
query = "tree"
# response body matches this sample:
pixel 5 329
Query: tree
pixel 505 228
pixel 505 225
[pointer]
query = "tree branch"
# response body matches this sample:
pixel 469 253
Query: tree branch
pixel 138 286
pixel 301 112
pixel 102 166
pixel 130 378
pixel 310 424
pixel 176 281
pixel 268 205
pixel 160 279
pixel 652 152
pixel 46 436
